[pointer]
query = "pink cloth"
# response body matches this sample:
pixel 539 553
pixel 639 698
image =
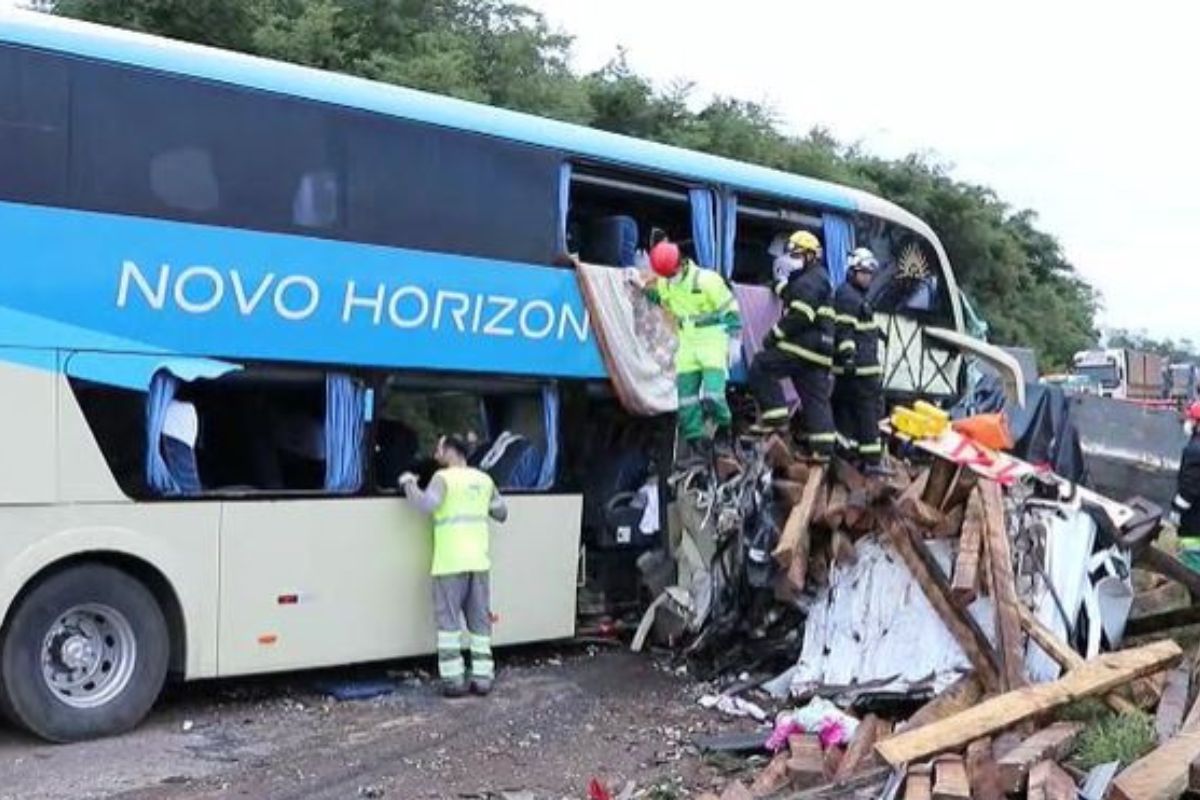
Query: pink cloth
pixel 760 311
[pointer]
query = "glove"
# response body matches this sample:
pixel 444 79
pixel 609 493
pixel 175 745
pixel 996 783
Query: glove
pixel 406 480
pixel 735 350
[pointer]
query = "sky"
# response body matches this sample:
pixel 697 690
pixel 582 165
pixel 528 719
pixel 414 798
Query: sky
pixel 1085 114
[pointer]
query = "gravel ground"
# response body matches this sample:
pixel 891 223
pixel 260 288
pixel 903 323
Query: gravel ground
pixel 558 718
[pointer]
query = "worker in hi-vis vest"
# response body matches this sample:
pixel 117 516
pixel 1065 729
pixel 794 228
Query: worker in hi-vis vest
pixel 709 341
pixel 1185 508
pixel 460 499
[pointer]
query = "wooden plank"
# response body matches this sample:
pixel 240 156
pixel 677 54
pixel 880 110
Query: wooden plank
pixel 1048 781
pixel 859 753
pixel 840 790
pixel 1172 707
pixel 962 626
pixel 1146 692
pixel 835 507
pixel 1067 658
pixel 1054 742
pixel 806 762
pixel 982 771
pixel 1162 774
pixel 937 486
pixel 951 525
pixel 959 696
pixel 966 567
pixel 1003 586
pixel 1155 560
pixel 777 454
pixel 796 528
pixel 773 777
pixel 1097 676
pixel 919 783
pixel 1163 621
pixel 950 780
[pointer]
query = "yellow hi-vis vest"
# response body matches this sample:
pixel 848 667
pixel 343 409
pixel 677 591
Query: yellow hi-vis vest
pixel 460 523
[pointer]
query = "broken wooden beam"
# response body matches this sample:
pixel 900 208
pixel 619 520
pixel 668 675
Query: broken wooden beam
pixel 1163 621
pixel 918 785
pixel 965 582
pixel 959 696
pixel 937 484
pixel 1173 705
pixel 982 771
pixel 1098 676
pixel 929 576
pixel 773 777
pixel 950 779
pixel 1162 774
pixel 1155 560
pixel 1054 742
pixel 806 761
pixel 860 750
pixel 1066 658
pixel 1048 781
pixel 1003 584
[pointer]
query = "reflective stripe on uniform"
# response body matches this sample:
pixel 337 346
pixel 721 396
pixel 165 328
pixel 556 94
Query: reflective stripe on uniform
pixel 803 308
pixel 691 400
pixel 821 438
pixel 481 644
pixel 846 442
pixel 1182 504
pixel 449 640
pixel 845 319
pixel 870 449
pixel 775 413
pixel 809 355
pixel 451 665
pixel 847 346
pixel 866 326
pixel 826 311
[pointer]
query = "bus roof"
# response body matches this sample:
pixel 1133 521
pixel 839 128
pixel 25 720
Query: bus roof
pixel 49 32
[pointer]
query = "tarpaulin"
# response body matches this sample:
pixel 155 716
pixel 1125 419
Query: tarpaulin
pixel 637 339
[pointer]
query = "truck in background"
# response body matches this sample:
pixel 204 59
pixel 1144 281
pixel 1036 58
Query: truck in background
pixel 1182 382
pixel 1123 373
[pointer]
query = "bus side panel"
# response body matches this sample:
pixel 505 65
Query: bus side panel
pixel 308 583
pixel 179 540
pixel 83 474
pixel 27 427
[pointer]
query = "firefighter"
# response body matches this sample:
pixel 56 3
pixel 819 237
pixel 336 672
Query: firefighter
pixel 460 499
pixel 799 347
pixel 709 339
pixel 858 375
pixel 1185 508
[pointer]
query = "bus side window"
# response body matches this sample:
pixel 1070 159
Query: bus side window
pixel 761 236
pixel 613 217
pixel 33 126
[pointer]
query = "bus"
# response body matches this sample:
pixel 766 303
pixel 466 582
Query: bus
pixel 295 279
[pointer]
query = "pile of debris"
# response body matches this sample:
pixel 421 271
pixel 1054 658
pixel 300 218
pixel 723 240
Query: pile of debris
pixel 917 632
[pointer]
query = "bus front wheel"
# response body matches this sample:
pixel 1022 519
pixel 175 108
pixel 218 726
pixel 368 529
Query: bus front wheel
pixel 85 654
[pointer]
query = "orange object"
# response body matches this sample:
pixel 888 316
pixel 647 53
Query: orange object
pixel 989 430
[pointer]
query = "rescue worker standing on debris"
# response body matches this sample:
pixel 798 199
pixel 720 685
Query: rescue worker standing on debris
pixel 709 339
pixel 460 499
pixel 858 376
pixel 799 347
pixel 1185 509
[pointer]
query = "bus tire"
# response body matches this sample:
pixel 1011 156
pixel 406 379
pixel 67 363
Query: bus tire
pixel 85 654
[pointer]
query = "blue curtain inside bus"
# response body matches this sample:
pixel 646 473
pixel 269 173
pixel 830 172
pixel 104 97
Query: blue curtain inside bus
pixel 564 205
pixel 704 227
pixel 159 397
pixel 345 412
pixel 729 214
pixel 839 241
pixel 550 415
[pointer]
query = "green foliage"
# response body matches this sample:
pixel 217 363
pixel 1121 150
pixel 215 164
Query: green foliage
pixel 1124 738
pixel 499 52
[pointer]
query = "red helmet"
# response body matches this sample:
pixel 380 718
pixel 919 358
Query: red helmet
pixel 664 259
pixel 1193 412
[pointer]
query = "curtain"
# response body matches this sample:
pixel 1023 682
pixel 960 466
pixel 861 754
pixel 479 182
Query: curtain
pixel 550 419
pixel 730 234
pixel 839 241
pixel 564 204
pixel 162 391
pixel 704 227
pixel 345 413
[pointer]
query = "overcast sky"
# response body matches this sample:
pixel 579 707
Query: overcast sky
pixel 1086 115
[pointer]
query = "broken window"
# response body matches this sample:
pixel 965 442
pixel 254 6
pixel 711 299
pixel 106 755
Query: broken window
pixel 909 280
pixel 614 218
pixel 509 427
pixel 761 234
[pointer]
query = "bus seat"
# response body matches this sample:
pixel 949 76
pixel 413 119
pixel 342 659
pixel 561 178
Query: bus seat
pixel 612 241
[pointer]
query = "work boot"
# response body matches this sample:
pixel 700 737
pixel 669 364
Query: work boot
pixel 454 688
pixel 481 686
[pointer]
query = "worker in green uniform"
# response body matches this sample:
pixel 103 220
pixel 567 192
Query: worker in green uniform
pixel 709 340
pixel 460 499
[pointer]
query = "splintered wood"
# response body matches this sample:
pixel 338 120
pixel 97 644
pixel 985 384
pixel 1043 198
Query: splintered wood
pixel 1054 742
pixel 792 551
pixel 1003 587
pixel 966 568
pixel 950 780
pixel 1098 676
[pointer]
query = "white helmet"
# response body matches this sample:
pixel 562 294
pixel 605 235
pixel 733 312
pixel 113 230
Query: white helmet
pixel 862 258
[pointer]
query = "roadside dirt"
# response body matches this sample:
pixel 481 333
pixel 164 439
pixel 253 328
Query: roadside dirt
pixel 556 720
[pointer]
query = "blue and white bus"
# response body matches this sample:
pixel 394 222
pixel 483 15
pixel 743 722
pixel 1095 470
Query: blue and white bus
pixel 295 279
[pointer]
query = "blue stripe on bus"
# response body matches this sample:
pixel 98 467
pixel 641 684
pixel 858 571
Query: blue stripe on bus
pixel 240 70
pixel 79 280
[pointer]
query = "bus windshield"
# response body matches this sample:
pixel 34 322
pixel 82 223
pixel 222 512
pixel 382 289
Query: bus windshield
pixel 1103 374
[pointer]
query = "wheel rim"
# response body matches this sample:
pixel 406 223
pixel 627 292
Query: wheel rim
pixel 88 655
